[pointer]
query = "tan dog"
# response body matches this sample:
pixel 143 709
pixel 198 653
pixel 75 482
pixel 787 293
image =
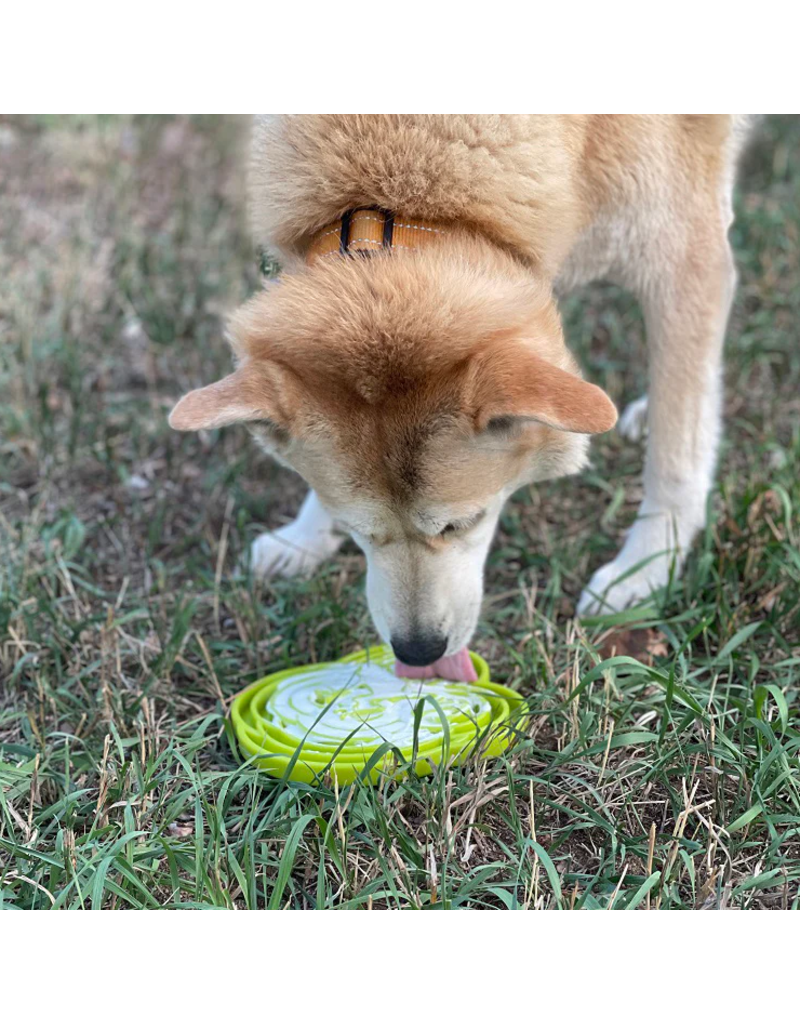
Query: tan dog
pixel 416 388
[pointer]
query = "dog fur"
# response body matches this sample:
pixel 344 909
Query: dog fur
pixel 416 391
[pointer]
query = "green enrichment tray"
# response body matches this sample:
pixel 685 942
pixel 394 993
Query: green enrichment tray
pixel 340 713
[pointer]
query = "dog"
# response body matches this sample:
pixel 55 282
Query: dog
pixel 410 364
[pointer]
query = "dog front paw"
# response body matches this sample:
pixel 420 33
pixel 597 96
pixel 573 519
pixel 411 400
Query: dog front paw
pixel 291 551
pixel 652 554
pixel 619 585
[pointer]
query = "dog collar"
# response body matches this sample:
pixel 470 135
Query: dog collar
pixel 370 229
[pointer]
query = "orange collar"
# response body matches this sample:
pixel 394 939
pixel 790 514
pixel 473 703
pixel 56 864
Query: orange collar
pixel 369 229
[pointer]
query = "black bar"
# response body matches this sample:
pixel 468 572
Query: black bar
pixel 344 238
pixel 388 229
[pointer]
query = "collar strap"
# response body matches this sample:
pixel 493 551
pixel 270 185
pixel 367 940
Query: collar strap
pixel 370 229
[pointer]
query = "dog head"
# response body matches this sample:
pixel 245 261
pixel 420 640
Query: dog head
pixel 414 395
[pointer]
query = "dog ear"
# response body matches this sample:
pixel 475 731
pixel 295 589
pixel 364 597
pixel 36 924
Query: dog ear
pixel 250 393
pixel 521 385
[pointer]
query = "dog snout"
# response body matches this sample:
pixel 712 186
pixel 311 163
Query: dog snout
pixel 419 649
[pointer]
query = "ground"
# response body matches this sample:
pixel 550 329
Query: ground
pixel 660 768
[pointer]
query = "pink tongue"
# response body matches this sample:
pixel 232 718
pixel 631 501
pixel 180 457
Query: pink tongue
pixel 457 667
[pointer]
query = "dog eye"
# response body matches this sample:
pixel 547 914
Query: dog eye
pixel 462 526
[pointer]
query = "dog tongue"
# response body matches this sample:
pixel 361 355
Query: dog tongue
pixel 458 668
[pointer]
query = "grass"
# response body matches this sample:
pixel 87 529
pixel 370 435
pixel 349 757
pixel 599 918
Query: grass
pixel 661 766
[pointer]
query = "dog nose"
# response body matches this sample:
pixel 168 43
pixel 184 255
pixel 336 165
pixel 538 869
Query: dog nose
pixel 419 649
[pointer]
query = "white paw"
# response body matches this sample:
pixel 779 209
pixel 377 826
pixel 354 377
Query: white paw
pixel 291 551
pixel 633 421
pixel 653 552
pixel 609 592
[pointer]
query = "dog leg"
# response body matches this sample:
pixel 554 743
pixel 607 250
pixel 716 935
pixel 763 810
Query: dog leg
pixel 297 548
pixel 685 315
